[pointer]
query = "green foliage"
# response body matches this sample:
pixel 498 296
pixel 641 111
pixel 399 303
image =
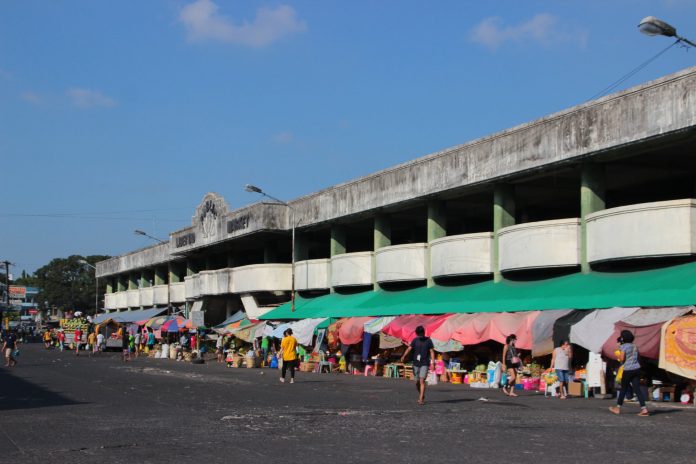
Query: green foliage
pixel 68 284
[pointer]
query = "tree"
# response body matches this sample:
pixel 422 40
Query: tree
pixel 68 284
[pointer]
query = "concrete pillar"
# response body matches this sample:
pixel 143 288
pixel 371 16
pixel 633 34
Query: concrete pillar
pixel 229 307
pixel 592 199
pixel 503 216
pixel 191 267
pixel 338 241
pixel 172 271
pixel 110 285
pixel 133 281
pixel 381 238
pixel 230 260
pixel 121 283
pixel 437 228
pixel 145 278
pixel 301 248
pixel 160 275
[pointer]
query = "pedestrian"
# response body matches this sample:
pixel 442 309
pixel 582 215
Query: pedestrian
pixel 265 341
pixel 61 340
pixel 131 345
pixel 627 354
pixel 288 348
pixel 150 341
pixel 47 339
pixel 100 342
pixel 561 360
pixel 423 360
pixel 124 346
pixel 9 346
pixel 77 338
pixel 511 362
pixel 92 342
pixel 136 344
pixel 218 349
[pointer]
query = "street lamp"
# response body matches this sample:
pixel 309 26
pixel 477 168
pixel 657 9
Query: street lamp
pixel 169 288
pixel 652 26
pixel 145 234
pixel 255 189
pixel 96 285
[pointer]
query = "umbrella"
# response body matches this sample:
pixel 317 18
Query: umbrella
pixel 176 323
pixel 156 322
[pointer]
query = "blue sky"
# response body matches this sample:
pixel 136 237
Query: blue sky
pixel 122 115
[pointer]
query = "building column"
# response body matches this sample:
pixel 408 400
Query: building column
pixel 110 285
pixel 191 267
pixel 160 276
pixel 145 279
pixel 230 260
pixel 592 199
pixel 337 245
pixel 437 228
pixel 503 216
pixel 121 283
pixel 133 281
pixel 270 255
pixel 173 275
pixel 381 238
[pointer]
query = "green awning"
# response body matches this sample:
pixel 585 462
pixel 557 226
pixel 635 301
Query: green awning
pixel 670 286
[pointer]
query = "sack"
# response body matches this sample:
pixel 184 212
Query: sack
pixel 431 379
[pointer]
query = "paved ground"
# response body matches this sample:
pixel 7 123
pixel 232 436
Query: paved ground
pixel 58 408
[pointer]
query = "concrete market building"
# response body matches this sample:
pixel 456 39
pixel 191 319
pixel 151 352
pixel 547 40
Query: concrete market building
pixel 603 188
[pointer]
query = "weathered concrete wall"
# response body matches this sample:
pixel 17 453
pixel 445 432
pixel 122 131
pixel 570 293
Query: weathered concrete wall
pixel 657 108
pixel 146 257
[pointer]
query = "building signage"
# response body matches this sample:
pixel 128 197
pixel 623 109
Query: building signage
pixel 185 240
pixel 18 292
pixel 236 224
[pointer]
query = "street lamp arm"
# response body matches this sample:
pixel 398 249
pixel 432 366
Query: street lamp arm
pixel 145 234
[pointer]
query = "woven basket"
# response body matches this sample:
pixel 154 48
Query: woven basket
pixel 237 361
pixel 251 362
pixel 307 366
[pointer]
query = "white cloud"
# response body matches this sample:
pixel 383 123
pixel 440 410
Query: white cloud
pixel 543 28
pixel 31 97
pixel 203 22
pixel 87 98
pixel 283 137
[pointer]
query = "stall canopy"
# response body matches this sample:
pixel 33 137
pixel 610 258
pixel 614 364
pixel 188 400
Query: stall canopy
pixel 376 325
pixel 404 327
pixel 678 346
pixel 646 325
pixel 303 330
pixel 542 331
pixel 671 286
pixel 351 331
pixel 497 327
pixel 238 316
pixel 126 317
pixel 592 331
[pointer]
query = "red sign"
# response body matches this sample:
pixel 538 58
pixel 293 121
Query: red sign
pixel 33 312
pixel 18 292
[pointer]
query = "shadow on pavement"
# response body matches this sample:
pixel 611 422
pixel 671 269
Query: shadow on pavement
pixel 17 393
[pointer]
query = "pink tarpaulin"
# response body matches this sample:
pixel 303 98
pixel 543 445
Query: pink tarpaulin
pixel 351 331
pixel 647 339
pixel 404 327
pixel 445 331
pixel 497 326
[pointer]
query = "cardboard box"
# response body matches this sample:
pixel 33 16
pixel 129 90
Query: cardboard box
pixel 575 389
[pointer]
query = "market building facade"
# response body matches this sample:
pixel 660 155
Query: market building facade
pixel 608 186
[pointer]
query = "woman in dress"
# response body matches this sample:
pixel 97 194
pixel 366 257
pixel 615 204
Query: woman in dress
pixel 511 361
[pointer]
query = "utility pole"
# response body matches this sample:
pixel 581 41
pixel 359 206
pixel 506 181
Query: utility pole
pixel 7 288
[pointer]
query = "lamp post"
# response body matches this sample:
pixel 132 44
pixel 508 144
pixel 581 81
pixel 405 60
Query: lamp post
pixel 255 189
pixel 96 285
pixel 652 26
pixel 169 288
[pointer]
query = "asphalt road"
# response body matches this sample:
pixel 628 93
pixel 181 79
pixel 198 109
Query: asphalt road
pixel 55 407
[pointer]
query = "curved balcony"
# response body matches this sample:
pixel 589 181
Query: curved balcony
pixel 351 269
pixel 147 296
pixel 401 262
pixel 218 282
pixel 262 278
pixel 540 244
pixel 192 285
pixel 312 274
pixel 120 300
pixel 133 298
pixel 177 292
pixel 461 255
pixel 647 230
pixel 160 294
pixel 110 301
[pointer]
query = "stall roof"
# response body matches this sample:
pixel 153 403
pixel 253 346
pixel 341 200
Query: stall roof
pixel 129 316
pixel 670 286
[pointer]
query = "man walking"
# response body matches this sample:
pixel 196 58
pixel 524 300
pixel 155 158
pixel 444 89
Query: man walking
pixel 423 359
pixel 9 346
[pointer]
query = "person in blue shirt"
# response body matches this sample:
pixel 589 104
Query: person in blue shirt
pixel 423 360
pixel 628 356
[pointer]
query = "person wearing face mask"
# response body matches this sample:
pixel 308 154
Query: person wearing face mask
pixel 511 361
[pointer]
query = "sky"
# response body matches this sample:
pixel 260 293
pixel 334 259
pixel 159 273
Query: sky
pixel 117 116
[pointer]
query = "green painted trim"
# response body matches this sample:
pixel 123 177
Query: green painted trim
pixel 381 238
pixel 437 228
pixel 592 199
pixel 503 216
